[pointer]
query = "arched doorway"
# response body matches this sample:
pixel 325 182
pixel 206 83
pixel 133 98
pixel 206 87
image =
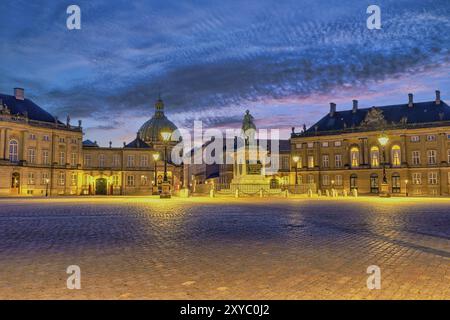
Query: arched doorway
pixel 15 183
pixel 101 186
pixel 374 188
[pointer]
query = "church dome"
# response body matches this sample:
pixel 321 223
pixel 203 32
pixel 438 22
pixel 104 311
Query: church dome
pixel 151 130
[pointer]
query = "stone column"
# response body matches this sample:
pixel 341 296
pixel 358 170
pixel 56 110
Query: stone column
pixel 404 152
pixel 23 146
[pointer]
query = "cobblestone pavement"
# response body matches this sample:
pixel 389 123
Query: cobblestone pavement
pixel 141 248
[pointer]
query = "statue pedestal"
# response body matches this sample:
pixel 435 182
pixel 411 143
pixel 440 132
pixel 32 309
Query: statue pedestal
pixel 384 190
pixel 184 193
pixel 165 191
pixel 155 190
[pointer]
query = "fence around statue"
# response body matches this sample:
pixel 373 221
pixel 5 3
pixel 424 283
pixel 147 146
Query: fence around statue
pixel 253 190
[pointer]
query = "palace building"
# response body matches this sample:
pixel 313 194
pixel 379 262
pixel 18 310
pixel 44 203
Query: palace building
pixel 404 147
pixel 41 155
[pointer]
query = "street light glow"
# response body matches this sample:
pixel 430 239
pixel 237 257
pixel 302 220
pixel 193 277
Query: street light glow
pixel 383 139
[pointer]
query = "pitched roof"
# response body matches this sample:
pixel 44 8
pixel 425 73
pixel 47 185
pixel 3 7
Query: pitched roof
pixel 89 143
pixel 419 114
pixel 26 106
pixel 137 143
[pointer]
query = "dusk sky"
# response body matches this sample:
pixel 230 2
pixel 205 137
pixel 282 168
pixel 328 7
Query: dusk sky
pixel 211 60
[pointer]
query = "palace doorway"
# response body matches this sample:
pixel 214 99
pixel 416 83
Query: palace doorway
pixel 15 183
pixel 101 186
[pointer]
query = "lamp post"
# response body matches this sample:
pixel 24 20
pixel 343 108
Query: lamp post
pixel 406 186
pixel 165 185
pixel 155 182
pixel 46 186
pixel 383 139
pixel 296 159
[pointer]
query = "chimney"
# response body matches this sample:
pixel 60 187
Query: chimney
pixel 19 93
pixel 332 109
pixel 355 106
pixel 410 100
pixel 438 97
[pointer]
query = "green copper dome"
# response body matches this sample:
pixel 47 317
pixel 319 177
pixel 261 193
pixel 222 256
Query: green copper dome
pixel 151 130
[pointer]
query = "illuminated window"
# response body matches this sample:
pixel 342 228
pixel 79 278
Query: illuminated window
pixel 101 160
pixel 325 180
pixel 130 160
pixel 415 138
pixel 432 178
pixel 431 137
pixel 45 159
pixel 310 178
pixel 62 158
pixel 338 180
pixel 74 159
pixel 87 160
pixel 74 179
pixel 431 156
pixel 31 178
pixel 325 161
pixel 338 160
pixel 325 144
pixel 45 178
pixel 416 158
pixel 62 178
pixel 115 180
pixel 337 143
pixel 354 156
pixel 144 160
pixel 417 178
pixel 310 144
pixel 396 156
pixel 144 180
pixel 116 160
pixel 375 156
pixel 13 151
pixel 310 161
pixel 130 181
pixel 32 155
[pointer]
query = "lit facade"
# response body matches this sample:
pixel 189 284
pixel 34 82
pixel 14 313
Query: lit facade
pixel 343 150
pixel 40 155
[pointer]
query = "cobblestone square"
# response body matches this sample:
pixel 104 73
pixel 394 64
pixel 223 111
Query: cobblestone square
pixel 201 248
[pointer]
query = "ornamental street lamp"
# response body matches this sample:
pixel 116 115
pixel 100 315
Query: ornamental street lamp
pixel 155 182
pixel 383 139
pixel 165 185
pixel 296 159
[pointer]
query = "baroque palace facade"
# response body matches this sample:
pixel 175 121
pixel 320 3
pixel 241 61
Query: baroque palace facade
pixel 347 150
pixel 40 155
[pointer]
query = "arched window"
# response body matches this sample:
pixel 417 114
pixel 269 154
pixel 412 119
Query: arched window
pixel 354 156
pixel 396 156
pixel 13 151
pixel 375 156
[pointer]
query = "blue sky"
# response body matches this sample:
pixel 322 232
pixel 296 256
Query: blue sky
pixel 211 60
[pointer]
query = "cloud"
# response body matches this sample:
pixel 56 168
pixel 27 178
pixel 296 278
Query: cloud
pixel 211 60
